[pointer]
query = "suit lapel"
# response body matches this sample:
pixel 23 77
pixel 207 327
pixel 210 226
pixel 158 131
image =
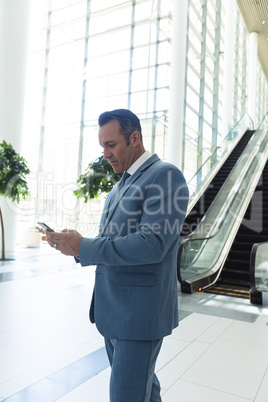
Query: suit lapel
pixel 116 194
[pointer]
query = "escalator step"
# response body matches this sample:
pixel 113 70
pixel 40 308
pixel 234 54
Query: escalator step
pixel 241 254
pixel 228 291
pixel 237 265
pixel 235 282
pixel 238 260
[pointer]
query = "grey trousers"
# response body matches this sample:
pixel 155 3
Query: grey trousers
pixel 133 364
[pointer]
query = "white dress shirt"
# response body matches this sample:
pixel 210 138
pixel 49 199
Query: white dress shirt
pixel 140 161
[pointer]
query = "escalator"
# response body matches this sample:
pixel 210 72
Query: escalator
pixel 230 217
pixel 234 279
pixel 196 214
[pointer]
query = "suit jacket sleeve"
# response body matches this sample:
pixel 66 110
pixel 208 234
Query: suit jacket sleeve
pixel 145 240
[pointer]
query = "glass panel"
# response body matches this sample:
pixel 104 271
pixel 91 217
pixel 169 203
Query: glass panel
pixel 97 5
pixel 141 57
pixel 195 41
pixel 194 80
pixel 107 85
pixel 210 64
pixel 192 98
pixel 109 42
pixel 139 80
pixel 191 161
pixel 160 139
pixel 163 98
pixel 210 43
pixel 165 29
pixel 112 20
pixel 163 76
pixel 164 49
pixel 150 101
pixel 144 34
pixel 208 116
pixel 195 15
pixel 147 132
pixel 139 101
pixel 192 118
pixel 92 149
pixel 166 7
pixel 69 13
pixel 118 84
pixel 208 95
pixel 143 10
pixel 261 268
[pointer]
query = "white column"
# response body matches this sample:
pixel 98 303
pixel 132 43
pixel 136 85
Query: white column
pixel 177 82
pixel 252 75
pixel 14 23
pixel 228 78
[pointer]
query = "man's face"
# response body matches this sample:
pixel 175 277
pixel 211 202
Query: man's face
pixel 120 155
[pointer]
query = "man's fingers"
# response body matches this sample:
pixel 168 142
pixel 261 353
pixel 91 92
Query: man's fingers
pixel 68 242
pixel 53 236
pixel 50 243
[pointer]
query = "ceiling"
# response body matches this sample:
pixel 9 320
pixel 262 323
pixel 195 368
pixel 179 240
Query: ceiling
pixel 255 15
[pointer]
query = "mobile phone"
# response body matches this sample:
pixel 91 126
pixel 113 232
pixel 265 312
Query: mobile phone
pixel 45 226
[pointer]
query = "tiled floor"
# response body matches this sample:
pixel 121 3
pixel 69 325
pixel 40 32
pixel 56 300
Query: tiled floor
pixel 50 352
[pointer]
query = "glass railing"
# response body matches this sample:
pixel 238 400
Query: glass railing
pixel 210 167
pixel 258 272
pixel 202 253
pixel 259 267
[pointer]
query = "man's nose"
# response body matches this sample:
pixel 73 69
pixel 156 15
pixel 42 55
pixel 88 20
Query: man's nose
pixel 107 154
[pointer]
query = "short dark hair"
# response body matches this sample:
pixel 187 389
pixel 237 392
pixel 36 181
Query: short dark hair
pixel 127 120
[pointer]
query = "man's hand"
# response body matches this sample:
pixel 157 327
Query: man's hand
pixel 67 241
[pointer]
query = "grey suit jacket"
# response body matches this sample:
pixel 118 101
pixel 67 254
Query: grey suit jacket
pixel 135 295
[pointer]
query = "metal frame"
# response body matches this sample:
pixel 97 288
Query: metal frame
pixel 43 113
pixel 131 53
pixel 156 75
pixel 185 89
pixel 216 85
pixel 84 88
pixel 202 87
pixel 240 80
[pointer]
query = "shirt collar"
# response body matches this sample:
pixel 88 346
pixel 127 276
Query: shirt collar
pixel 140 161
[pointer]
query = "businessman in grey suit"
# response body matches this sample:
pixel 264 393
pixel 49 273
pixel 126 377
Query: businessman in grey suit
pixel 135 299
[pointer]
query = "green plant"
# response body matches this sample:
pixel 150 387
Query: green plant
pixel 13 185
pixel 98 178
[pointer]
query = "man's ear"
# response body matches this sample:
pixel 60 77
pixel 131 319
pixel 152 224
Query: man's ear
pixel 135 138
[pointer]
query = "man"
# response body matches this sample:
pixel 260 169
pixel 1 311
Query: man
pixel 135 300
